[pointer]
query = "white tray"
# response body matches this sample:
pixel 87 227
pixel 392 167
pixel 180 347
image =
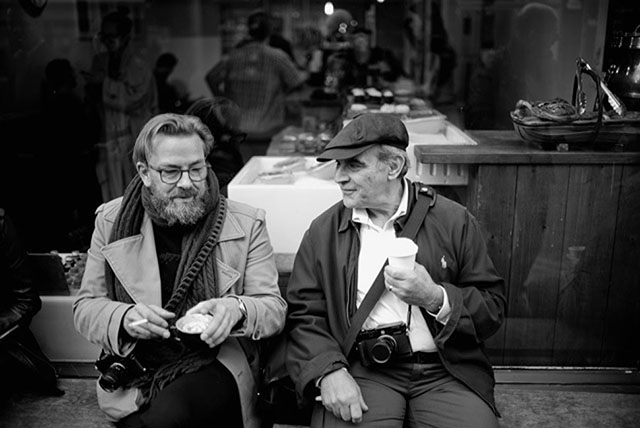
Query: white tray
pixel 437 174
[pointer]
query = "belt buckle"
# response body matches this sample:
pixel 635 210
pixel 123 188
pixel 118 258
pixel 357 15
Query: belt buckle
pixel 426 358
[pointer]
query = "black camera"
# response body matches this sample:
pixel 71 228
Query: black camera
pixel 116 371
pixel 383 344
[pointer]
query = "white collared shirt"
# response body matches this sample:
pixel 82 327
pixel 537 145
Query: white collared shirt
pixel 390 309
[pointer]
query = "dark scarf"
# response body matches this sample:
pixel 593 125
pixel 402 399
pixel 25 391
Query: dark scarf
pixel 196 280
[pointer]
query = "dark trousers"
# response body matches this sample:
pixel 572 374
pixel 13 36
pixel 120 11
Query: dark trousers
pixel 412 395
pixel 207 398
pixel 24 367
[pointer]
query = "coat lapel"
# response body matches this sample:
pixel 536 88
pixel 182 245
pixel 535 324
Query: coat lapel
pixel 226 274
pixel 135 264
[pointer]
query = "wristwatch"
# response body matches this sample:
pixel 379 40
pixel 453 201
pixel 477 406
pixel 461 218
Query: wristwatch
pixel 242 307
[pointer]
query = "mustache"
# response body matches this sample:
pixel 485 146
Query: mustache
pixel 184 193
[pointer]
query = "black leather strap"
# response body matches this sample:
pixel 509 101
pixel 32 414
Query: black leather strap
pixel 425 199
pixel 421 358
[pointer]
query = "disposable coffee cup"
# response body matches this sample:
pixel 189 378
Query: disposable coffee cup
pixel 402 253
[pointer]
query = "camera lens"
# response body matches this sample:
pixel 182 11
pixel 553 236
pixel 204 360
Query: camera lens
pixel 112 378
pixel 382 350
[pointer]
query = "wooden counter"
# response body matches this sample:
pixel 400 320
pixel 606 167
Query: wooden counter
pixel 563 228
pixel 505 147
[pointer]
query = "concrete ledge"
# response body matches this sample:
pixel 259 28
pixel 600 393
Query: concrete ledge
pixel 567 375
pixel 504 375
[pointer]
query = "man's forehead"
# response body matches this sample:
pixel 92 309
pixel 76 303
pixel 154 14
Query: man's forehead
pixel 363 157
pixel 181 144
pixel 162 136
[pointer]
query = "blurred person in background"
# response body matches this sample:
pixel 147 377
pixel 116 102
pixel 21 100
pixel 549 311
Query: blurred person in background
pixel 526 68
pixel 372 66
pixel 222 117
pixel 23 366
pixel 171 97
pixel 121 87
pixel 309 41
pixel 68 153
pixel 277 39
pixel 440 81
pixel 257 77
pixel 336 50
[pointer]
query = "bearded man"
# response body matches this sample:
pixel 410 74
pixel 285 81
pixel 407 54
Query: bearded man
pixel 174 246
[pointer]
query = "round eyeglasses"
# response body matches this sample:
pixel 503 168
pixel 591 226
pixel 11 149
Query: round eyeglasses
pixel 173 175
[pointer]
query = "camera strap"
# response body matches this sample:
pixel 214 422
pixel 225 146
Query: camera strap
pixel 425 199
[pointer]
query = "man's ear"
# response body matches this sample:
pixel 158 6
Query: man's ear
pixel 395 167
pixel 143 172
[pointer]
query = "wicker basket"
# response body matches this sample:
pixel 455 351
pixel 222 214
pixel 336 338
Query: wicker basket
pixel 555 136
pixel 614 134
pixel 588 133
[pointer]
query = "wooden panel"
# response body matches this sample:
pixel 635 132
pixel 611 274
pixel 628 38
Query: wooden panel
pixel 505 147
pixel 535 268
pixel 622 319
pixel 586 264
pixel 491 198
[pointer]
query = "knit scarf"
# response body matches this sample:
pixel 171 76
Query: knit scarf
pixel 196 280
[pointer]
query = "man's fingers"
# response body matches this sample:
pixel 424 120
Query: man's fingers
pixel 219 328
pixel 345 413
pixel 162 312
pixel 356 413
pixel 363 405
pixel 139 332
pixel 146 322
pixel 201 308
pixel 156 330
pixel 155 315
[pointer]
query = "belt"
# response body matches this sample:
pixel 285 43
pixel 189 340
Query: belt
pixel 421 358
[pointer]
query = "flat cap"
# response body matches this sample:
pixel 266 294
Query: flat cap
pixel 363 132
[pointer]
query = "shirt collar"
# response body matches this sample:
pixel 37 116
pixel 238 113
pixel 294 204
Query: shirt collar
pixel 360 215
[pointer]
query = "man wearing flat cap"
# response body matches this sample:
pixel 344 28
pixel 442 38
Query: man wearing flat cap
pixel 387 346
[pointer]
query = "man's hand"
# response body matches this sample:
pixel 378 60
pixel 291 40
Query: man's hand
pixel 155 326
pixel 226 314
pixel 415 287
pixel 341 396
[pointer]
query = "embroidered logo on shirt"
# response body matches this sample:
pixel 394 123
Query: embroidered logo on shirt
pixel 443 262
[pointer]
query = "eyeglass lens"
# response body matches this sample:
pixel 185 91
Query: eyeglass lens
pixel 172 176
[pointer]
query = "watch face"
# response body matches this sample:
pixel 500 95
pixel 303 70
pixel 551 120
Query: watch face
pixel 33 7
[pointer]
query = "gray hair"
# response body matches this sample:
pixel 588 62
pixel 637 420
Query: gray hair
pixel 170 124
pixel 387 153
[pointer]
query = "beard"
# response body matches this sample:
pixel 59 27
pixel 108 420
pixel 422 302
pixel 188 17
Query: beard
pixel 174 211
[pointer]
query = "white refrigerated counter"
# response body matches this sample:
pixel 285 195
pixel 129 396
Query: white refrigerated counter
pixel 290 205
pixel 53 328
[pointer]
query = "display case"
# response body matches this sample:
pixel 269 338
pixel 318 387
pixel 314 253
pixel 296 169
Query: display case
pixel 291 199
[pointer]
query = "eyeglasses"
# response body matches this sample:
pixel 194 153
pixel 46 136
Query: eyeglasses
pixel 173 175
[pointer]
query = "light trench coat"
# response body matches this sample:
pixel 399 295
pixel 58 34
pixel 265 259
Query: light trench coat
pixel 246 268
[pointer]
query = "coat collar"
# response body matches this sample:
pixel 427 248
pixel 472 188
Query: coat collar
pixel 135 263
pixel 347 213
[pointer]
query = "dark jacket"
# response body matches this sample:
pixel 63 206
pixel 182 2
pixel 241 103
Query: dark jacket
pixel 23 360
pixel 19 301
pixel 322 289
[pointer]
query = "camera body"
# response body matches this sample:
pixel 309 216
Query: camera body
pixel 116 371
pixel 383 344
